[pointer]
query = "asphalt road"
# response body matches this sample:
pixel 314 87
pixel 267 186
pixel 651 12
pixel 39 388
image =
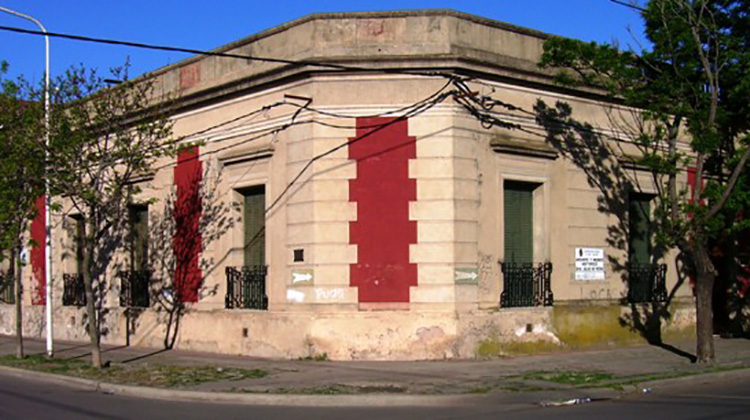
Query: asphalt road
pixel 25 399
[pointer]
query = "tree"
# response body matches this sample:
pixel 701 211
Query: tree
pixel 105 138
pixel 693 82
pixel 21 177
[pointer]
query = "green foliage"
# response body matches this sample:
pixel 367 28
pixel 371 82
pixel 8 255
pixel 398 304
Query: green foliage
pixel 694 83
pixel 690 96
pixel 578 378
pixel 317 357
pixel 104 141
pixel 21 156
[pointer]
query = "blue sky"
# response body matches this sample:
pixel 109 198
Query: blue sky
pixel 210 24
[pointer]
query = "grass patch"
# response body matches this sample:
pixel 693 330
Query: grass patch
pixel 513 386
pixel 571 377
pixel 638 379
pixel 162 376
pixel 318 357
pixel 481 390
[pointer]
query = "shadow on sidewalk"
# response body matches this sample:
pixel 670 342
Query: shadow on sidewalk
pixel 63 350
pixel 675 350
pixel 81 356
pixel 145 356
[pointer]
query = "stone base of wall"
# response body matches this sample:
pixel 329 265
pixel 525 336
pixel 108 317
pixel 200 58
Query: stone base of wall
pixel 376 335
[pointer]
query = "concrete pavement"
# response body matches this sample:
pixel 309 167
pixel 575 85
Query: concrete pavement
pixel 521 379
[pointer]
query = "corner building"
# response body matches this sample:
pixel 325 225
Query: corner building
pixel 357 213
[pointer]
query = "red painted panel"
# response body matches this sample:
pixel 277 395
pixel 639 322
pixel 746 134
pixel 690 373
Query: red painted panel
pixel 186 243
pixel 38 254
pixel 382 191
pixel 692 174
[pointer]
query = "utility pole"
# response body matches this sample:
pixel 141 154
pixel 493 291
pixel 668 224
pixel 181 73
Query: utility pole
pixel 47 216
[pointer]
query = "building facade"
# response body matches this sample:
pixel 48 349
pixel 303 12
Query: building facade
pixel 394 185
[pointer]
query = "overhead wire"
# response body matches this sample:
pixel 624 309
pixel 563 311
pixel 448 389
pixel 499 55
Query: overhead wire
pixel 419 108
pixel 408 111
pixel 483 101
pixel 143 45
pixel 479 106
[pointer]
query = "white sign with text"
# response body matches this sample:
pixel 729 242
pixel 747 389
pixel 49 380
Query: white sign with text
pixel 589 264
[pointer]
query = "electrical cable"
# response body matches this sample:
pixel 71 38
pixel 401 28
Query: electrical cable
pixel 418 110
pixel 311 63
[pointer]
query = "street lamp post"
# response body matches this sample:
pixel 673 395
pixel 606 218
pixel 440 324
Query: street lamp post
pixel 47 216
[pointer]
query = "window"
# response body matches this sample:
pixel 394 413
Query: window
pixel 254 225
pixel 639 239
pixel 7 288
pixel 525 283
pixel 519 222
pixel 79 242
pixel 139 237
pixel 134 283
pixel 73 289
pixel 646 280
pixel 246 286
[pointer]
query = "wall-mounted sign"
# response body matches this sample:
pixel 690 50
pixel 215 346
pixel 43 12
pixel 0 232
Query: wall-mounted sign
pixel 589 264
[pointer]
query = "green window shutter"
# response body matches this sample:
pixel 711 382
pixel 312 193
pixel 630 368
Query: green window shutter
pixel 639 243
pixel 79 245
pixel 519 222
pixel 254 220
pixel 139 231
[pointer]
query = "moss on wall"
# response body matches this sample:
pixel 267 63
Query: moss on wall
pixel 595 326
pixel 493 347
pixel 489 348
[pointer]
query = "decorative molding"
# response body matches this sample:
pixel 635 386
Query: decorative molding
pixel 233 157
pixel 524 148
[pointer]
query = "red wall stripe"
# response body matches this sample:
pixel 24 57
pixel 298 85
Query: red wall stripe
pixel 382 191
pixel 186 244
pixel 38 254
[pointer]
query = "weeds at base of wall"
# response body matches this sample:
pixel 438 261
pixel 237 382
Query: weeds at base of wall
pixel 317 357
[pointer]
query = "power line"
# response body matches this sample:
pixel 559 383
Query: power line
pixel 272 131
pixel 419 108
pixel 143 45
pixel 630 5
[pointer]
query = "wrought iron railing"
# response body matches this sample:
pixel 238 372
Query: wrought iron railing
pixel 246 287
pixel 134 288
pixel 7 289
pixel 647 283
pixel 526 285
pixel 74 293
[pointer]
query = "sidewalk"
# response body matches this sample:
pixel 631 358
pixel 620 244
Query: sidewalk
pixel 603 373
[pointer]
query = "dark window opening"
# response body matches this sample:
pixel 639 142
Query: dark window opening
pixel 646 278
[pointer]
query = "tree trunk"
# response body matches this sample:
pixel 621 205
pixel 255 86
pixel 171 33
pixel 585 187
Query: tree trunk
pixel 704 286
pixel 14 275
pixel 88 285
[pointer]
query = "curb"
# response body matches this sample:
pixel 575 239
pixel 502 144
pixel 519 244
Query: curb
pixel 646 387
pixel 702 378
pixel 367 400
pixel 289 400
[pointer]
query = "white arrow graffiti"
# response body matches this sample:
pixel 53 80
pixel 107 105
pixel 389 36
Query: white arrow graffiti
pixel 463 275
pixel 300 277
